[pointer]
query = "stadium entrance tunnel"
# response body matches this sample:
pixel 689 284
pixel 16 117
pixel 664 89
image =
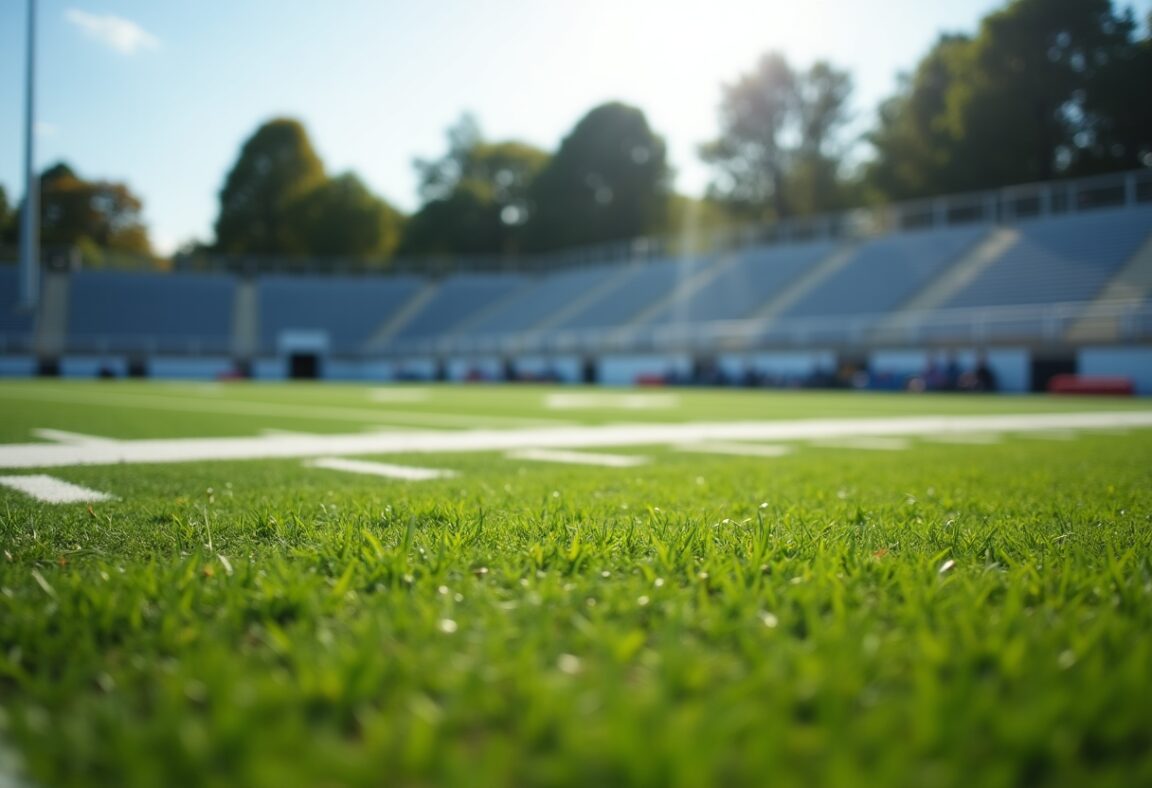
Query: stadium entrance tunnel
pixel 304 366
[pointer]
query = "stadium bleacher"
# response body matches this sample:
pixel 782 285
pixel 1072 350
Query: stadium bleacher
pixel 647 285
pixel 746 285
pixel 458 299
pixel 16 324
pixel 347 309
pixel 1071 278
pixel 1059 260
pixel 144 312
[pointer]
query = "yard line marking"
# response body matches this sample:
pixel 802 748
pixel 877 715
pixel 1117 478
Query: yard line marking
pixel 966 438
pixel 578 458
pixel 43 455
pixel 865 443
pixel 52 490
pixel 70 438
pixel 580 401
pixel 405 472
pixel 398 395
pixel 738 449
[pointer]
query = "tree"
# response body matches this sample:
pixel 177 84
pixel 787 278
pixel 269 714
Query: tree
pixel 7 231
pixel 608 181
pixel 913 140
pixel 1048 88
pixel 342 218
pixel 276 168
pixel 99 215
pixel 476 197
pixel 779 152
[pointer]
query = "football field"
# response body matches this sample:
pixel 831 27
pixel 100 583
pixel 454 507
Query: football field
pixel 326 585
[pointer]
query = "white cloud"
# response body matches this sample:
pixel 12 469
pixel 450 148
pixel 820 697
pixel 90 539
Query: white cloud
pixel 45 129
pixel 123 35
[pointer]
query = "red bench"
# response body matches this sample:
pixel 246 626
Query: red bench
pixel 1115 386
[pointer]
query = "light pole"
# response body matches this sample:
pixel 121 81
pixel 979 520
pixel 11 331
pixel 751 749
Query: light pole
pixel 30 228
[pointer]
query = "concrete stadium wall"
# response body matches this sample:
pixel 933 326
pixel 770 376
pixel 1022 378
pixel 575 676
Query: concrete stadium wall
pixel 1134 363
pixel 17 366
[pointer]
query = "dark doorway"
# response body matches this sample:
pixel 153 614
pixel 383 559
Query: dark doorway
pixel 1044 368
pixel 137 367
pixel 589 371
pixel 303 366
pixel 48 367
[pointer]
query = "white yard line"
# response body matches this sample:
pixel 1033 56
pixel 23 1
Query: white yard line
pixel 70 438
pixel 864 443
pixel 578 458
pixel 51 490
pixel 738 449
pixel 398 395
pixel 591 400
pixel 405 472
pixel 39 455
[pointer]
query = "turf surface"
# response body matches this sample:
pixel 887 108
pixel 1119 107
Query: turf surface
pixel 944 615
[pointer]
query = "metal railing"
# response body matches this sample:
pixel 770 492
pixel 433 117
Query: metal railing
pixel 1116 321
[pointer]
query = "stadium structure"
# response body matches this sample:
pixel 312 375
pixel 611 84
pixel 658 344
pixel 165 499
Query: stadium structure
pixel 1039 280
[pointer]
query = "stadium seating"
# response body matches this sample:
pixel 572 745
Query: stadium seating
pixel 921 286
pixel 648 285
pixel 1058 264
pixel 745 286
pixel 885 272
pixel 1059 260
pixel 16 325
pixel 348 309
pixel 541 299
pixel 142 312
pixel 460 298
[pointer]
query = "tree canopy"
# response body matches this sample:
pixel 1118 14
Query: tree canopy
pixel 260 200
pixel 608 181
pixel 342 218
pixel 1046 89
pixel 476 196
pixel 75 212
pixel 277 200
pixel 779 151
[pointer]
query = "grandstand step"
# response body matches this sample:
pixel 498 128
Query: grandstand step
pixel 580 303
pixel 969 266
pixel 1131 285
pixel 402 317
pixel 808 282
pixel 686 289
pixel 245 320
pixel 52 320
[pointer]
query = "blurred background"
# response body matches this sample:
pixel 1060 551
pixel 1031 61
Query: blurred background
pixel 895 194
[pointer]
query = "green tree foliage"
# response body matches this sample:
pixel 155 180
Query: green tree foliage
pixel 342 218
pixel 276 168
pixel 476 196
pixel 1049 88
pixel 779 151
pixel 7 219
pixel 98 215
pixel 608 181
pixel 278 201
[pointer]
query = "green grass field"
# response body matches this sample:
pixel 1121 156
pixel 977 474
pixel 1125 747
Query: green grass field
pixel 939 615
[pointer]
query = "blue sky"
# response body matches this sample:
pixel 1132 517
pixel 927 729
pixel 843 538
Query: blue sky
pixel 161 94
